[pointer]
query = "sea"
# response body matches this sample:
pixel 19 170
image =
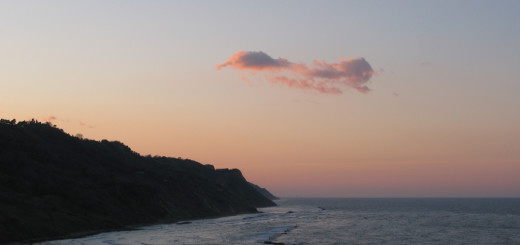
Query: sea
pixel 340 221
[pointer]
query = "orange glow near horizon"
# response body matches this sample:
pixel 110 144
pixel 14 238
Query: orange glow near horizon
pixel 421 108
pixel 294 160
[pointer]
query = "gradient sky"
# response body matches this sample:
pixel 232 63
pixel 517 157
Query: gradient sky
pixel 441 116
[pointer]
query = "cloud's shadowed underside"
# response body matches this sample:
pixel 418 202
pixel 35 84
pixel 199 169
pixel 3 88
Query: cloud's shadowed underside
pixel 323 77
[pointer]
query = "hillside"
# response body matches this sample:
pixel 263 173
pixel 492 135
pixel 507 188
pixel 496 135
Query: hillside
pixel 53 184
pixel 264 192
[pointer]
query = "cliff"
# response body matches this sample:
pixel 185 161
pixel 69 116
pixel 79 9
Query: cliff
pixel 53 184
pixel 264 192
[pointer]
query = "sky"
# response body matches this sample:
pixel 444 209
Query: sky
pixel 306 98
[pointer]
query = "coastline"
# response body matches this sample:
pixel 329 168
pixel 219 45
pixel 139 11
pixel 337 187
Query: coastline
pixel 59 186
pixel 297 221
pixel 126 228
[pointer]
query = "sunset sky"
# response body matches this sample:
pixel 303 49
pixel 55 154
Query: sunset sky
pixel 307 98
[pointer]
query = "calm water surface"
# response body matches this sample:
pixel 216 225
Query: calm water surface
pixel 342 221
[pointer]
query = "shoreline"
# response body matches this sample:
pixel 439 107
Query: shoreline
pixel 126 228
pixel 62 186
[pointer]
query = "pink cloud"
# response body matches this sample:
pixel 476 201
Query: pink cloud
pixel 50 119
pixel 82 124
pixel 54 119
pixel 323 77
pixel 254 61
pixel 305 84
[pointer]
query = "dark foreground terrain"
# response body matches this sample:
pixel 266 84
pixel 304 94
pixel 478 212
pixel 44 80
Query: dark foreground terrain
pixel 53 184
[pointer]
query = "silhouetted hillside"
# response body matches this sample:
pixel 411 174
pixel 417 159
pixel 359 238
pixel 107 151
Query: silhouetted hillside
pixel 264 192
pixel 53 184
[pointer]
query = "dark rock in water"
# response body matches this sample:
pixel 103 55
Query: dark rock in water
pixel 53 184
pixel 276 243
pixel 290 212
pixel 183 222
pixel 321 208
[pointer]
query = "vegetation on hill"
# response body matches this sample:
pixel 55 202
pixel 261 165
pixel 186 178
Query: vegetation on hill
pixel 53 184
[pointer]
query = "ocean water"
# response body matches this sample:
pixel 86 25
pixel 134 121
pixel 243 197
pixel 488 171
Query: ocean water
pixel 341 221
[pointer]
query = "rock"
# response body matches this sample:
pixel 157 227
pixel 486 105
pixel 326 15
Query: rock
pixel 183 222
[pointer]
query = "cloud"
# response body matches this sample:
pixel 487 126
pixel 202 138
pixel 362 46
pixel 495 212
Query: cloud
pixel 323 77
pixel 50 119
pixel 82 124
pixel 305 84
pixel 254 61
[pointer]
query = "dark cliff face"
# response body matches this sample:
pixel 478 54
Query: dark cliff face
pixel 53 184
pixel 234 182
pixel 264 192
